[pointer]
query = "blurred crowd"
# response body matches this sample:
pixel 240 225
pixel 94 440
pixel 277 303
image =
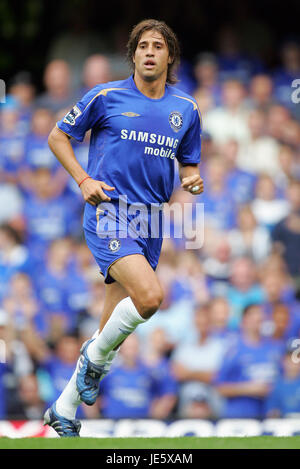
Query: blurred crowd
pixel 224 342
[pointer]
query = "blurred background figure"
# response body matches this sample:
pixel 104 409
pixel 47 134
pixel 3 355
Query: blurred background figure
pixel 195 366
pixel 284 400
pixel 57 81
pixel 289 71
pixel 286 233
pixel 244 289
pixel 96 70
pixel 249 369
pixel 21 87
pixel 261 92
pixel 229 121
pixel 133 389
pixel 249 238
pixel 259 153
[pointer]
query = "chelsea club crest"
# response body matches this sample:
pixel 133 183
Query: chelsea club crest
pixel 175 120
pixel 114 245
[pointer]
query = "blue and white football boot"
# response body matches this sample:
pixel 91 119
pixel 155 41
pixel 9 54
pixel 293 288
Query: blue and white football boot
pixel 61 425
pixel 88 376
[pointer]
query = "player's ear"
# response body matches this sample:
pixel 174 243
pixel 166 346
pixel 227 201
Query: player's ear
pixel 170 60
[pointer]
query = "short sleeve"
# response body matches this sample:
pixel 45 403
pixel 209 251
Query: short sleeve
pixel 86 114
pixel 189 150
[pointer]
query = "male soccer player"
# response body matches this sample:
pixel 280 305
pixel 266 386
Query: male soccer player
pixel 139 125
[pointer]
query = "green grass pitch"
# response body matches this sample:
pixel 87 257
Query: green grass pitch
pixel 259 442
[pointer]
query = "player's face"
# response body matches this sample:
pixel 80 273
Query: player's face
pixel 151 57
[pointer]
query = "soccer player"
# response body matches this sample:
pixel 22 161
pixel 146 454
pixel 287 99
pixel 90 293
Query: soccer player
pixel 139 125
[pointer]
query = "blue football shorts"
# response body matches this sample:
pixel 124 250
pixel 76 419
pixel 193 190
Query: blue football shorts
pixel 119 235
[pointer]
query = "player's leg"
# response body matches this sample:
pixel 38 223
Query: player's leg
pixel 114 293
pixel 69 400
pixel 137 277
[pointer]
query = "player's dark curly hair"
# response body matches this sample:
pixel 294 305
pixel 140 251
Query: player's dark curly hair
pixel 168 35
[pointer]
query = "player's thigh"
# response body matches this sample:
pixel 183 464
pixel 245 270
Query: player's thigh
pixel 138 278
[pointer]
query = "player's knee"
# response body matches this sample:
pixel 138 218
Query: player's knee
pixel 150 302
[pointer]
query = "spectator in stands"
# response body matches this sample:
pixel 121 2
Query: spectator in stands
pixel 284 328
pixel 57 368
pixel 286 234
pixel 155 354
pixel 291 134
pixel 22 305
pixel 206 74
pixel 11 140
pixel 277 118
pixel 249 369
pixel 219 310
pixel 52 281
pixel 37 154
pixel 23 90
pixel 28 404
pixel 284 400
pixel 96 70
pixel 132 389
pixel 233 62
pixel 267 207
pixel 248 238
pixel 259 153
pixel 18 364
pixel 217 265
pixel 14 256
pixel 188 279
pixel 47 216
pixel 289 167
pixel 289 71
pixel 243 290
pixel 261 92
pixel 195 366
pixel 57 81
pixel 278 289
pixel 229 121
pixel 218 200
pixel 240 183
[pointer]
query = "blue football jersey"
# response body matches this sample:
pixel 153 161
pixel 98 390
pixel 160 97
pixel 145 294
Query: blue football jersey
pixel 135 139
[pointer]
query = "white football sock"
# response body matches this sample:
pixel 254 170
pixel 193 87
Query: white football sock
pixel 67 403
pixel 122 322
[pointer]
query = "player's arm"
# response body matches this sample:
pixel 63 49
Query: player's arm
pixel 91 190
pixel 190 178
pixel 188 156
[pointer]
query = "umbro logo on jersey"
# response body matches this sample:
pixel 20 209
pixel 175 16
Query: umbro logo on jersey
pixel 130 114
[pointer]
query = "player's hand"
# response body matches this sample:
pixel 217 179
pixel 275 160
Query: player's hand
pixel 92 191
pixel 193 184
